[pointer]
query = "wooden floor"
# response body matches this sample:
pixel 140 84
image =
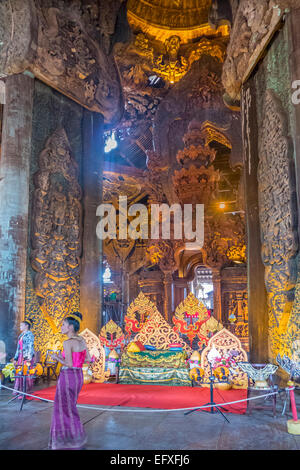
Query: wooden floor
pixel 140 430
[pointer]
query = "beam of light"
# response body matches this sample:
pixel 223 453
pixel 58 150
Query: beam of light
pixel 110 143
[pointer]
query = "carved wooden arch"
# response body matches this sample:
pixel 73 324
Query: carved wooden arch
pixel 192 264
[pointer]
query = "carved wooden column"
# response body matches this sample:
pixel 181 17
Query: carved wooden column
pixel 91 281
pixel 257 296
pixel 14 199
pixel 125 291
pixel 168 295
pixel 180 286
pixel 216 278
pixel 293 19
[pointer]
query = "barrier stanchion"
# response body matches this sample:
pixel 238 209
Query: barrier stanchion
pixel 146 410
pixel 293 425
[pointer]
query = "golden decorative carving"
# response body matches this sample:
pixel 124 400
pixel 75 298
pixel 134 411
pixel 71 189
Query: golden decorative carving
pixel 191 307
pixel 171 68
pixel 155 253
pixel 157 332
pixel 137 313
pixel 173 14
pixel 111 335
pixel 162 253
pixel 236 304
pixel 221 232
pixel 237 253
pixel 142 44
pixel 213 133
pixel 46 334
pixel 144 57
pixel 189 20
pixel 224 342
pixel 208 47
pixel 236 308
pixel 290 345
pixel 209 327
pixel 95 348
pixel 192 319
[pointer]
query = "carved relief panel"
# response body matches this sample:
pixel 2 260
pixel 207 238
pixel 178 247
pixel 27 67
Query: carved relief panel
pixel 278 216
pixel 235 302
pixel 66 45
pixel 56 231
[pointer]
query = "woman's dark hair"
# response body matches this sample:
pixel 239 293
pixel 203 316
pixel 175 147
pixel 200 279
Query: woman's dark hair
pixel 72 321
pixel 28 322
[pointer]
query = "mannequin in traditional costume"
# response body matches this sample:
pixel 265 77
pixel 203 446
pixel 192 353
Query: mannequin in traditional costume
pixel 66 430
pixel 24 353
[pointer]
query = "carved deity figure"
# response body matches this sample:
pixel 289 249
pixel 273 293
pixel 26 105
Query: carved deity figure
pixel 58 206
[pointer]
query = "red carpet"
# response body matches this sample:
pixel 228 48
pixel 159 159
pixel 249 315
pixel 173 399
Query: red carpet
pixel 152 396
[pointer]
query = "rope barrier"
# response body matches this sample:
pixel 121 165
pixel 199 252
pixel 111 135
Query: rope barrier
pixel 146 410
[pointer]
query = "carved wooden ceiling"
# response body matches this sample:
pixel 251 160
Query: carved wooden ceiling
pixel 168 36
pixel 161 19
pixel 170 74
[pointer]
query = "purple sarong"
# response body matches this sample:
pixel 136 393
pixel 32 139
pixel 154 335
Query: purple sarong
pixel 66 430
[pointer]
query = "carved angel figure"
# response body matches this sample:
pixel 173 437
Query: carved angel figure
pixel 259 376
pixel 291 367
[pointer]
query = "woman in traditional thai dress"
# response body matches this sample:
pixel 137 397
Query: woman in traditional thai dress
pixel 66 430
pixel 24 353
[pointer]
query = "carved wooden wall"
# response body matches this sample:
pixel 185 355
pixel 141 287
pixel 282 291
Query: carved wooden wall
pixel 269 127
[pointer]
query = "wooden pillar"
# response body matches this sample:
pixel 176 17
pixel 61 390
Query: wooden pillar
pixel 125 291
pixel 293 19
pixel 168 295
pixel 257 295
pixel 126 296
pixel 91 281
pixel 216 278
pixel 14 201
pixel 180 287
